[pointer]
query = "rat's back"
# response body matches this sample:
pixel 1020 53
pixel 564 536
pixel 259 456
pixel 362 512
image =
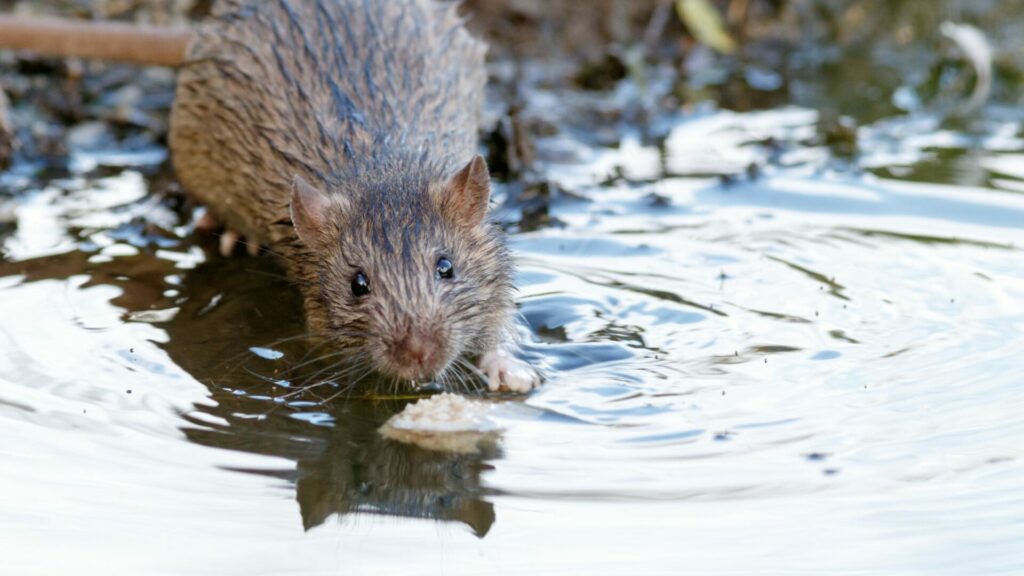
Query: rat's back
pixel 320 89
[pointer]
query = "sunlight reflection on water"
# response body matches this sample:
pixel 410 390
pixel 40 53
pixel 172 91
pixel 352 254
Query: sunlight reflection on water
pixel 818 363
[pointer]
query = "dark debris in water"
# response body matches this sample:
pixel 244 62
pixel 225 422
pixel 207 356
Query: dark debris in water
pixel 601 74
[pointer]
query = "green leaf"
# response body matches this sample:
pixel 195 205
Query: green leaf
pixel 703 20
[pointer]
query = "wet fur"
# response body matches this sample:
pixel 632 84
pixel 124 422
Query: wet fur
pixel 375 103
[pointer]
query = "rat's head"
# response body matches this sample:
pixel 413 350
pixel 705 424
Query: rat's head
pixel 405 270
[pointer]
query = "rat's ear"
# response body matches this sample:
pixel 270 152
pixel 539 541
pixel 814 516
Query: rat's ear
pixel 467 193
pixel 313 213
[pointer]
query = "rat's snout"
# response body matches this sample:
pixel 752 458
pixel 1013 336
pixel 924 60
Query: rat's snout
pixel 415 350
pixel 417 353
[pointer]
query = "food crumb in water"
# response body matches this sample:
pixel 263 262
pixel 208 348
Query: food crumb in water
pixel 445 422
pixel 444 413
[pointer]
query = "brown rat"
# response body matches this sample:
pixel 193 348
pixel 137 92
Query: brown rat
pixel 342 135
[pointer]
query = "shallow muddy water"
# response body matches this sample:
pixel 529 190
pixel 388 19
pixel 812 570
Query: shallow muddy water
pixel 762 358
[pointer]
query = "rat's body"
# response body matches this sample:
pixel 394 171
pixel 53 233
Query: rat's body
pixel 333 91
pixel 342 135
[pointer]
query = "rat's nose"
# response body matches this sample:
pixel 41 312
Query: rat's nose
pixel 416 351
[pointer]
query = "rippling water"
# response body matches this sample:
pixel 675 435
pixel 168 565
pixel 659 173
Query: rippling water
pixel 761 357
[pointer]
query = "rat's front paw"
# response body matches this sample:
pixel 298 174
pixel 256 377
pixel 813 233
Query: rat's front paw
pixel 506 372
pixel 231 238
pixel 228 239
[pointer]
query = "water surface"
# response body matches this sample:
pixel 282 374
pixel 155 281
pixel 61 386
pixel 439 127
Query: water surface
pixel 762 357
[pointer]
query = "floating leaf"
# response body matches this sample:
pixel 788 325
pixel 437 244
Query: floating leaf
pixel 705 23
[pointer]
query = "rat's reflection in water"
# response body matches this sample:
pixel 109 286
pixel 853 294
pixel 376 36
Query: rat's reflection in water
pixel 344 466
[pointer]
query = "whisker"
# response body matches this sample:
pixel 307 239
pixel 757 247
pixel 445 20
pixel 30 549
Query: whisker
pixel 349 387
pixel 300 391
pixel 246 354
pixel 332 355
pixel 328 368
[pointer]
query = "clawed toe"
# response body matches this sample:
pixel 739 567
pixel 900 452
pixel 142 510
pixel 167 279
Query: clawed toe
pixel 228 240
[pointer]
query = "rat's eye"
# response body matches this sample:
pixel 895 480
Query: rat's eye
pixel 445 268
pixel 360 284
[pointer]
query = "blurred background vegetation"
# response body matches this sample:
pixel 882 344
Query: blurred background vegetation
pixel 855 61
